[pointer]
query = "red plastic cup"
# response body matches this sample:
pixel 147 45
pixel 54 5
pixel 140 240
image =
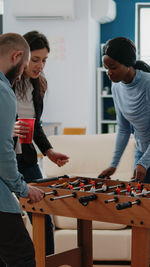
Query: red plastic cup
pixel 29 136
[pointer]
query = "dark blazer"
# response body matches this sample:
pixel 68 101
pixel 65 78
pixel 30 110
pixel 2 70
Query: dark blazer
pixel 29 154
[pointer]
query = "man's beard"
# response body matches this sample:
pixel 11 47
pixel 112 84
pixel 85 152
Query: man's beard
pixel 13 73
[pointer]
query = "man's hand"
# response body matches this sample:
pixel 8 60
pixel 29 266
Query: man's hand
pixel 34 194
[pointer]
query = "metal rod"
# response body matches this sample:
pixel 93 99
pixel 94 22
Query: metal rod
pixel 115 199
pixel 87 185
pixel 54 192
pixel 99 189
pixel 121 191
pixel 137 201
pixel 143 194
pixel 65 196
pixel 63 185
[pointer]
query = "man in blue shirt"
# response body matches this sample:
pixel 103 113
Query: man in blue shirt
pixel 16 247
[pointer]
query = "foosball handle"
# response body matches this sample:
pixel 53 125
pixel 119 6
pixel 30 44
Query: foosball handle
pixel 125 205
pixel 129 204
pixel 43 180
pixel 85 200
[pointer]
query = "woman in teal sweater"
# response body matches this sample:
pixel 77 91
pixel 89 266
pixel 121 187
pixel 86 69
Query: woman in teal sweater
pixel 131 95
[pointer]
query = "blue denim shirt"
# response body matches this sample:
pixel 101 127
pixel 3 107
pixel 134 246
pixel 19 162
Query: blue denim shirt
pixel 10 179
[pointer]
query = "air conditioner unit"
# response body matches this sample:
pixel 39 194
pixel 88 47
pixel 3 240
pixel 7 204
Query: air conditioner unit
pixel 43 9
pixel 103 11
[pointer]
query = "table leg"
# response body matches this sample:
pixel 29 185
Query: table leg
pixel 38 221
pixel 140 247
pixel 85 242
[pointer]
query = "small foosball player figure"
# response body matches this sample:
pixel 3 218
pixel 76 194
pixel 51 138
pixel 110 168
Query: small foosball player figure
pixel 82 187
pixel 144 192
pixel 104 187
pixel 92 189
pixel 117 191
pixel 128 189
pixel 57 185
pixel 133 193
pixel 70 187
pixel 139 186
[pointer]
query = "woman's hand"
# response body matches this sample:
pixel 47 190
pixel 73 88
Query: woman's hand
pixel 58 158
pixel 139 173
pixel 107 172
pixel 20 129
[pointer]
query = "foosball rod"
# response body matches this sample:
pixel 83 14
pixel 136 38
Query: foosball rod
pixel 65 196
pixel 86 186
pixel 109 187
pixel 121 191
pixel 143 194
pixel 115 199
pixel 54 192
pixel 63 185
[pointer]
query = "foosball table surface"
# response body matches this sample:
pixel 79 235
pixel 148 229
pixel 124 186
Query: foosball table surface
pixel 89 199
pixel 94 199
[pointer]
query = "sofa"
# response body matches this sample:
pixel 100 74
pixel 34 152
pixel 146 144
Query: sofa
pixel 89 155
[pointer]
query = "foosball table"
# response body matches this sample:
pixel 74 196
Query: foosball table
pixel 89 199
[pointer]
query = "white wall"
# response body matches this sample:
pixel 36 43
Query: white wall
pixel 71 67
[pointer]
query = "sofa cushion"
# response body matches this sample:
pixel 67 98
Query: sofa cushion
pixel 62 222
pixel 89 155
pixel 108 245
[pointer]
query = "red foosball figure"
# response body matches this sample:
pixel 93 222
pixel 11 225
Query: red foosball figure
pixel 139 186
pixel 82 189
pixel 70 187
pixel 128 188
pixel 117 191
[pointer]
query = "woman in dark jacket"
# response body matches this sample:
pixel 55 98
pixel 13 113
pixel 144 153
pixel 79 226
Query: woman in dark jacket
pixel 30 91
